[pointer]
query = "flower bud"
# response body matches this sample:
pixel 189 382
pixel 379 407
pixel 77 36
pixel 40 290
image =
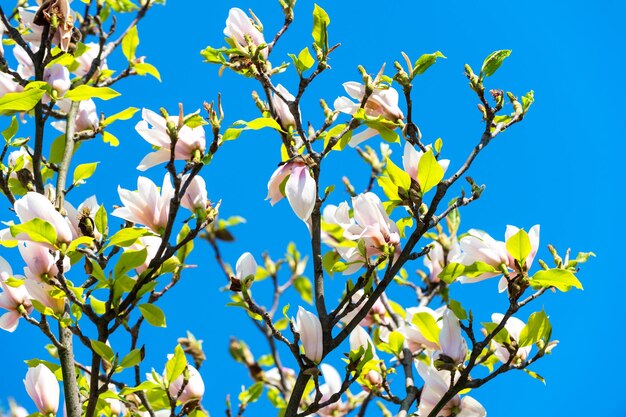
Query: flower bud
pixel 310 329
pixel 192 391
pixel 43 388
pixel 58 77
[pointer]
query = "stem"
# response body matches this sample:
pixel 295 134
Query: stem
pixel 70 384
pixel 67 154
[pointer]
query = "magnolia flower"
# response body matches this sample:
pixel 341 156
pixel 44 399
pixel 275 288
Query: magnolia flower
pixel 193 391
pixel 332 385
pixel 436 385
pixel 272 377
pixel 413 337
pixel 41 263
pixel 190 140
pixel 85 60
pixel 151 244
pixel 8 84
pixel 82 218
pixel 115 404
pixel 436 259
pixel 34 205
pixel 146 205
pixel 25 66
pixel 195 197
pixel 381 103
pixel 300 188
pixel 479 246
pixel 514 327
pixel 246 266
pixel 309 328
pixel 359 338
pixel 411 160
pixel 43 388
pixel 451 341
pixel 12 299
pixel 58 77
pixel 239 27
pixel 282 109
pixel 41 292
pixel 86 118
pixel 377 313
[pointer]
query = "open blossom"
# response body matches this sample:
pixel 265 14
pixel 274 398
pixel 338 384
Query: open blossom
pixel 451 340
pixel 436 385
pixel 43 388
pixel 282 109
pixel 514 327
pixel 86 118
pixel 34 205
pixel 477 245
pixel 239 27
pixel 195 197
pixel 190 140
pixel 41 263
pixel 309 328
pixel 11 299
pixel 436 258
pixel 42 293
pixel 193 391
pixel 146 205
pixel 300 188
pixel 381 103
pixel 370 223
pixel 411 160
pixel 58 77
pixel 246 266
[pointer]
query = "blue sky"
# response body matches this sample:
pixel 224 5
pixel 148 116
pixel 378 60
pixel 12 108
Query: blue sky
pixel 562 168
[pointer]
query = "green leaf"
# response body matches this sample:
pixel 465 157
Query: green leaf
pixel 144 68
pixel 85 92
pixel 9 132
pixel 535 375
pixel 109 138
pixel 457 309
pixel 252 394
pixel 429 172
pixel 304 288
pixel 129 260
pixel 127 236
pixel 427 326
pixel 101 219
pixel 99 307
pixel 502 337
pixel 493 62
pixel 231 134
pixel 538 328
pixel 263 122
pixel 320 27
pixel 176 365
pixel 130 43
pixel 398 176
pixel 37 230
pixel 561 279
pixel 123 115
pixel 103 350
pixel 454 270
pixel 396 342
pixel 22 101
pixel 188 247
pixel 303 61
pixel 153 314
pixel 425 61
pixel 84 171
pixel 82 240
pixel 133 358
pixel 519 246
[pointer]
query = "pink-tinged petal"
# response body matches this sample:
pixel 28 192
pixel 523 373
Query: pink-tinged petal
pixel 354 89
pixel 301 192
pixel 331 378
pixel 9 321
pixel 273 186
pixel 345 105
pixel 451 339
pixel 503 285
pixel 153 159
pixel 410 160
pixel 5 267
pixel 43 388
pixel 246 266
pixel 310 329
pixel 533 234
pixel 471 408
pixel 285 116
pixel 193 390
pixel 34 205
pixel 362 136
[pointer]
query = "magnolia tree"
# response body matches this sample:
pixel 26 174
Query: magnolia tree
pixel 90 270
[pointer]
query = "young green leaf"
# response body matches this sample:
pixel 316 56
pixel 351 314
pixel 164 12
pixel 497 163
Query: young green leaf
pixel 519 246
pixel 429 172
pixel 561 279
pixel 153 315
pixel 494 61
